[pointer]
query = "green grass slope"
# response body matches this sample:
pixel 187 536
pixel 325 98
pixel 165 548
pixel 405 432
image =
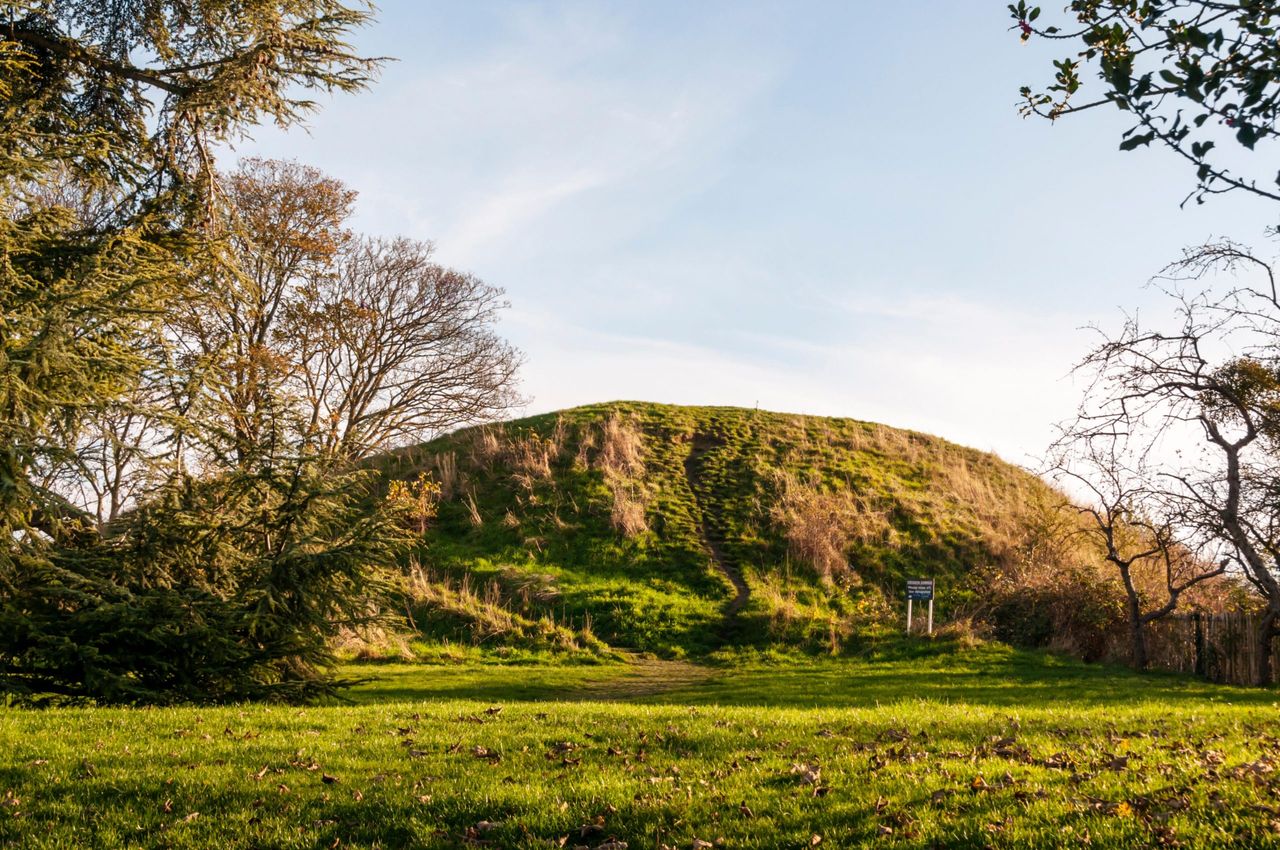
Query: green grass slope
pixel 683 529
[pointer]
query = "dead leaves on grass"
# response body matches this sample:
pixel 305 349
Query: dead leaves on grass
pixel 980 785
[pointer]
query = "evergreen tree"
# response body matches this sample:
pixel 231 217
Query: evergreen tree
pixel 224 588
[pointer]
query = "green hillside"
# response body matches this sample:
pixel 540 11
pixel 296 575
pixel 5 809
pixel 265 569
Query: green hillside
pixel 683 529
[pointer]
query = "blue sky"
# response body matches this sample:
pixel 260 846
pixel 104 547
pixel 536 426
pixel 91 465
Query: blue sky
pixel 828 208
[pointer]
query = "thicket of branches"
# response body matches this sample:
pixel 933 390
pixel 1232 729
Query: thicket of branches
pixel 193 364
pixel 1178 438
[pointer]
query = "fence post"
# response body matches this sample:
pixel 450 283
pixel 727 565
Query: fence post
pixel 1199 646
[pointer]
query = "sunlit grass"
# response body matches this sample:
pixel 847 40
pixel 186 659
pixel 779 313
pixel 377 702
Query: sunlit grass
pixel 992 748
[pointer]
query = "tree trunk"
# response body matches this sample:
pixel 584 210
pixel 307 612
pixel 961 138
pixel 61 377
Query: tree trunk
pixel 1139 638
pixel 1263 675
pixel 1137 633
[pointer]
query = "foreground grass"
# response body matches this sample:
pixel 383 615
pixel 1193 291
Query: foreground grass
pixel 1008 750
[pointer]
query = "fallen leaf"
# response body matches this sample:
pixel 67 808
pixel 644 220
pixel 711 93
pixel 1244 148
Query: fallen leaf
pixel 809 774
pixel 486 753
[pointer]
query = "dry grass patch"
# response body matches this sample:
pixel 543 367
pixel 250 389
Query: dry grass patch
pixel 621 459
pixel 820 523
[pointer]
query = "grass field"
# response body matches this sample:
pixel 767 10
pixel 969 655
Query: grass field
pixel 988 748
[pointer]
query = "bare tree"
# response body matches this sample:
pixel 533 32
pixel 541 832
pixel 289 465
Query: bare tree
pixel 112 464
pixel 285 225
pixel 391 347
pixel 313 340
pixel 1134 528
pixel 1200 403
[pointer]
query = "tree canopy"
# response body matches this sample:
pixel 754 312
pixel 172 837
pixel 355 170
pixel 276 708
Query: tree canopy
pixel 1198 77
pixel 227 582
pixel 136 91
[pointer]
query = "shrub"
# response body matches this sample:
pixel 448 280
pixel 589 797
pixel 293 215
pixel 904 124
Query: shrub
pixel 214 591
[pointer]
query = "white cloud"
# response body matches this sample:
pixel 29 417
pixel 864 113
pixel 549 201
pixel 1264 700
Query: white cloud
pixel 565 131
pixel 602 172
pixel 967 372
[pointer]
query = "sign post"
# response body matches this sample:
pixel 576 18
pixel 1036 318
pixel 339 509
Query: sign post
pixel 922 589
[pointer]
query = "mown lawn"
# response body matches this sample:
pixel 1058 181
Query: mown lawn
pixel 990 748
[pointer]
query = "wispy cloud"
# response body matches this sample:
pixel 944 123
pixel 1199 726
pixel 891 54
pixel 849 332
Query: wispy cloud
pixel 990 383
pixel 705 207
pixel 568 129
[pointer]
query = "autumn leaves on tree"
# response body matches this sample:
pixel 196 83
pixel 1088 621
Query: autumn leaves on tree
pixel 193 364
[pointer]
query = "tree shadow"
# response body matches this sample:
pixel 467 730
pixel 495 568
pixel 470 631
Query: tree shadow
pixel 994 676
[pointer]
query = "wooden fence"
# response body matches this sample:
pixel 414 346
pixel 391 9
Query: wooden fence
pixel 1218 647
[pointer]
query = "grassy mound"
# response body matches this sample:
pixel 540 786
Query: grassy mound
pixel 682 529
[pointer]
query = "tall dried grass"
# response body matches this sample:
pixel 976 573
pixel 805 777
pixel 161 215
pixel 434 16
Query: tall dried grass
pixel 502 610
pixel 530 456
pixel 621 459
pixel 586 445
pixel 621 448
pixel 473 510
pixel 446 473
pixel 629 506
pixel 820 523
pixel 486 445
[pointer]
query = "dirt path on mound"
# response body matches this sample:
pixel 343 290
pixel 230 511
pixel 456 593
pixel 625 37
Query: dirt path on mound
pixel 702 443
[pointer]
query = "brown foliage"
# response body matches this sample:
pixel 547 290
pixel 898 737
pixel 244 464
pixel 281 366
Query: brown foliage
pixel 820 523
pixel 341 345
pixel 621 459
pixel 621 448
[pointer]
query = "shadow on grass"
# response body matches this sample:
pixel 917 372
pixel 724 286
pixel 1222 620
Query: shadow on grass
pixel 991 675
pixel 476 681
